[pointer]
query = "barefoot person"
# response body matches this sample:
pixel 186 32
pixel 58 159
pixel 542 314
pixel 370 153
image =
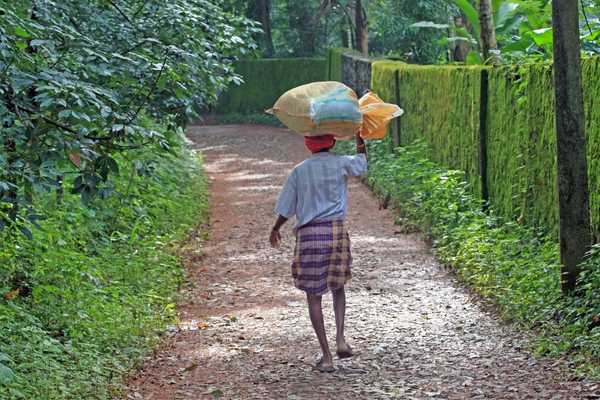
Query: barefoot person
pixel 316 193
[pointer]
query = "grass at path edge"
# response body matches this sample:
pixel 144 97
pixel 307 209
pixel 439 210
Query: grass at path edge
pixel 97 284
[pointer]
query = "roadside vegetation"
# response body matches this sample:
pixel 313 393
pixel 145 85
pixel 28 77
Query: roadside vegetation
pixel 89 295
pixel 97 186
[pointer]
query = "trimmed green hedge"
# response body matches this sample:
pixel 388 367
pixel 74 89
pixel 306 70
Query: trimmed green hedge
pixel 591 91
pixel 507 143
pixel 443 106
pixel 383 83
pixel 334 63
pixel 522 145
pixel 267 79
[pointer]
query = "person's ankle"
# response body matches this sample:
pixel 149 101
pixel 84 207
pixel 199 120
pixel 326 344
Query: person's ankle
pixel 327 358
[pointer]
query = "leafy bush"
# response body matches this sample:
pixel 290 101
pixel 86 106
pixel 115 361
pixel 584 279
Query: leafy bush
pixel 85 300
pixel 84 81
pixel 515 265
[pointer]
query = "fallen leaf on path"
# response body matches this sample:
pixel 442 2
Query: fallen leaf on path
pixel 202 325
pixel 191 367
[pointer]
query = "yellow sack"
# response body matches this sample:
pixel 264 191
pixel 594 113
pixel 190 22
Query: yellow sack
pixel 376 116
pixel 320 108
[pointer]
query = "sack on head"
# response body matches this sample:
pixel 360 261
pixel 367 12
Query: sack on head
pixel 321 108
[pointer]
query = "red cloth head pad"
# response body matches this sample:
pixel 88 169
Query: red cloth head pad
pixel 318 143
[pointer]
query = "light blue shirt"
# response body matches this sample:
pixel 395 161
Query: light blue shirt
pixel 317 188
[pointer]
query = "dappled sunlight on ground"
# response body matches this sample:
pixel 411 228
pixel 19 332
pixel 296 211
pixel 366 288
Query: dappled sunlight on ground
pixel 244 331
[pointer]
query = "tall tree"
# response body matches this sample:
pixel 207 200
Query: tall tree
pixel 459 49
pixel 259 10
pixel 361 24
pixel 573 196
pixel 488 32
pixel 302 23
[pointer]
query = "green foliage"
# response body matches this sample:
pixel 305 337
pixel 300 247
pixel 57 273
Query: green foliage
pixel 266 80
pixel 85 300
pixel 522 163
pixel 334 63
pixel 391 32
pixel 299 33
pixel 522 140
pixel 84 81
pixel 471 13
pixel 383 79
pixel 516 266
pixel 523 29
pixel 442 105
pixel 591 96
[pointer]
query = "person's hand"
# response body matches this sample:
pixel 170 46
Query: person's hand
pixel 275 238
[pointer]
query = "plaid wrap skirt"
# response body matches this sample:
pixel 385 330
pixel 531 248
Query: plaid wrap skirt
pixel 322 258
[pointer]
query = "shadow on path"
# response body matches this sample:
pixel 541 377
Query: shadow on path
pixel 245 333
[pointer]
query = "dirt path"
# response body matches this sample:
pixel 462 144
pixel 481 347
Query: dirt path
pixel 245 332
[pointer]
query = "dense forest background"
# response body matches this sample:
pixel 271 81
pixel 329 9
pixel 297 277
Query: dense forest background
pixel 421 31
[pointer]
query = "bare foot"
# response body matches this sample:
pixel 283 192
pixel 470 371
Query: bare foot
pixel 323 366
pixel 344 351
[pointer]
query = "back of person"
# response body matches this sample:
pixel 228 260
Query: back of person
pixel 316 189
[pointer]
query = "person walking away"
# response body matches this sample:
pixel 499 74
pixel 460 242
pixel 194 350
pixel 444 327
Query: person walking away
pixel 315 192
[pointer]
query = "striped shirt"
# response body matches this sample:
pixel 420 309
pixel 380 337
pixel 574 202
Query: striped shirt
pixel 317 188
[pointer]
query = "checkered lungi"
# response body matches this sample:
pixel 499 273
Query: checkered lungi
pixel 322 257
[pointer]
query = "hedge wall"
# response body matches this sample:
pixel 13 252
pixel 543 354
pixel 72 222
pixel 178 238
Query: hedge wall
pixel 443 107
pixel 383 83
pixel 334 63
pixel 522 144
pixel 267 79
pixel 591 91
pixel 507 143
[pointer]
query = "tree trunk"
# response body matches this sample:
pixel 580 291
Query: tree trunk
pixel 344 33
pixel 301 20
pixel 265 19
pixel 362 32
pixel 260 11
pixel 461 48
pixel 488 32
pixel 573 196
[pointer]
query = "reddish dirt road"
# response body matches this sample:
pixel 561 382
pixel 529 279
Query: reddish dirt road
pixel 244 331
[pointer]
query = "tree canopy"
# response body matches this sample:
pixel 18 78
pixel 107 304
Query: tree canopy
pixel 84 81
pixel 421 31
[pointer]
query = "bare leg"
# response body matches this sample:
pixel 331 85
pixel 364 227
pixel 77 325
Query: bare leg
pixel 339 307
pixel 316 317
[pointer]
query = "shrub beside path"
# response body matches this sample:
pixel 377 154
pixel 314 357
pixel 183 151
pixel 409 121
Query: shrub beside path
pixel 244 331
